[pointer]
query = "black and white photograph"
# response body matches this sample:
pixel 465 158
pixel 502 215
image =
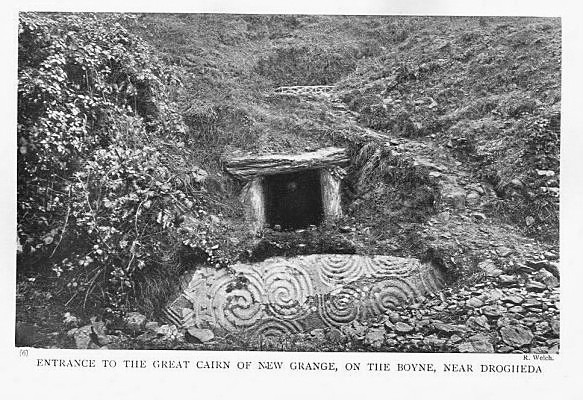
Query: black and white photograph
pixel 288 183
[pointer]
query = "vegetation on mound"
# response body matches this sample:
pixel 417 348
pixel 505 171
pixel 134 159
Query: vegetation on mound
pixel 486 88
pixel 103 174
pixel 232 62
pixel 123 119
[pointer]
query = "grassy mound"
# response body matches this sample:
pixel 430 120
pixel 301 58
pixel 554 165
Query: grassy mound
pixel 123 119
pixel 486 88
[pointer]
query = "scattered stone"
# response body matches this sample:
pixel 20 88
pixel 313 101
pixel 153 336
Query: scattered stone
pixel 99 332
pixel 515 299
pixel 434 341
pixel 493 311
pixel 516 335
pixel 455 338
pixel 394 317
pixel 478 323
pixel 403 327
pixel 168 332
pixel 534 286
pixel 541 328
pixel 553 268
pixel 489 268
pixel 555 326
pixel 508 280
pixel 547 278
pixel 135 322
pixel 355 330
pixel 152 326
pixel 478 343
pixel 552 183
pixel 516 309
pixel 478 216
pixel 493 295
pixel 537 264
pixel 549 255
pixel 544 172
pixel 318 334
pixel 529 303
pixel 422 323
pixel 82 337
pixel 70 320
pixel 506 321
pixel 389 325
pixel 375 337
pixel 540 350
pixel 201 335
pixel 474 302
pixel 334 335
pixel 448 328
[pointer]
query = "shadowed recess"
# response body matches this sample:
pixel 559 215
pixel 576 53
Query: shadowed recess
pixel 294 200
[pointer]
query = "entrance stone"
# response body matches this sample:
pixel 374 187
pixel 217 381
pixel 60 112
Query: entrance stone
pixel 300 294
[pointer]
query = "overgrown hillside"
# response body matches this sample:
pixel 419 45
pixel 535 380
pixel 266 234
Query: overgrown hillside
pixel 487 90
pixel 123 120
pixel 102 170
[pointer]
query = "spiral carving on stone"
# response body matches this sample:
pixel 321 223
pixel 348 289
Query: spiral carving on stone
pixel 275 328
pixel 382 267
pixel 340 269
pixel 237 301
pixel 292 295
pixel 288 289
pixel 341 306
pixel 388 294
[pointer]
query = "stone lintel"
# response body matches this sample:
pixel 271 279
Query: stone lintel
pixel 246 167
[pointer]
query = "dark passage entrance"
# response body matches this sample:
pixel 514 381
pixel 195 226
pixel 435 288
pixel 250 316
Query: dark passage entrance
pixel 294 200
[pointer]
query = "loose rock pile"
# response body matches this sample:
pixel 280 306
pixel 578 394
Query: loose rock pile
pixel 504 314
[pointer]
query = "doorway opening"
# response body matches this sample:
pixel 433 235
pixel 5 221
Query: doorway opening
pixel 293 200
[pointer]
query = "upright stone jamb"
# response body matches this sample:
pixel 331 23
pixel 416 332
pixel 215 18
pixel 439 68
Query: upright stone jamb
pixel 253 196
pixel 330 180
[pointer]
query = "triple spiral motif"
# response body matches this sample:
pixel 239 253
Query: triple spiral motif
pixel 287 296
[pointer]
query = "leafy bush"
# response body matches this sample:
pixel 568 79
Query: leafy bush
pixel 98 202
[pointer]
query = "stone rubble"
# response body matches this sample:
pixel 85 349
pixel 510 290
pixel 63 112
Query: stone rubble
pixel 505 314
pixel 511 313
